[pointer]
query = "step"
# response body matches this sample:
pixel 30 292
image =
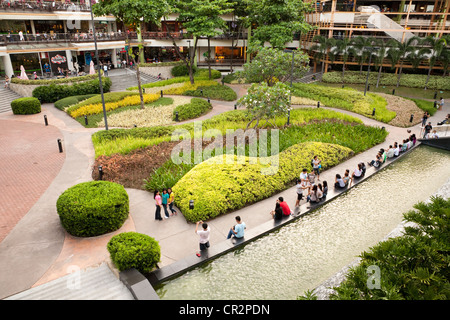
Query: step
pixel 93 284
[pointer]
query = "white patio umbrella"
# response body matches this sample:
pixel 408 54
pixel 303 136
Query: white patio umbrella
pixel 92 69
pixel 23 74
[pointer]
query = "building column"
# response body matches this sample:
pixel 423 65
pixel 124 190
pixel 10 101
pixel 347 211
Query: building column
pixel 114 58
pixel 69 60
pixel 9 71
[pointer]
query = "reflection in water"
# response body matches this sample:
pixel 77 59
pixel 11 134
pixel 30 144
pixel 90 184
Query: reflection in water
pixel 303 254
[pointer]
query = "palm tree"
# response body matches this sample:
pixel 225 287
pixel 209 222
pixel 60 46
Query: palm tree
pixel 343 49
pixel 357 49
pixel 445 59
pixel 320 49
pixel 403 49
pixel 435 50
pixel 380 54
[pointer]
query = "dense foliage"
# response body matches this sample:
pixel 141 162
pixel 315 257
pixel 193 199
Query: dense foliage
pixel 134 250
pixel 26 105
pixel 93 208
pixel 222 184
pixel 414 266
pixel 54 92
pixel 192 110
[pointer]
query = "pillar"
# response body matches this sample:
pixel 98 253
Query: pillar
pixel 9 71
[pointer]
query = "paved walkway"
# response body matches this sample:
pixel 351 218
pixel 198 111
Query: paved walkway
pixel 36 249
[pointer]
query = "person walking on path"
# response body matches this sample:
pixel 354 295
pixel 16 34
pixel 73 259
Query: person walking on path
pixel 238 230
pixel 203 236
pixel 158 200
pixel 428 129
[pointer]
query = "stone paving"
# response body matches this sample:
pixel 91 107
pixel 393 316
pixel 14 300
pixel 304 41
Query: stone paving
pixel 35 249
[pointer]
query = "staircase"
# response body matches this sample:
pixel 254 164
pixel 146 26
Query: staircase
pixel 91 284
pixel 6 96
pixel 124 78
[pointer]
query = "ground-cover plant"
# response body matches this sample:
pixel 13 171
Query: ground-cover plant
pixel 217 187
pixel 413 266
pixel 55 81
pixel 213 92
pixel 347 99
pixel 131 116
pixel 127 101
pixel 96 99
pixel 70 101
pixel 93 208
pixel 195 108
pixel 425 105
pixel 26 105
pixel 134 250
pixel 390 79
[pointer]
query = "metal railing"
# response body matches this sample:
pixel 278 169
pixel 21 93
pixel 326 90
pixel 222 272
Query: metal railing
pixel 19 5
pixel 101 36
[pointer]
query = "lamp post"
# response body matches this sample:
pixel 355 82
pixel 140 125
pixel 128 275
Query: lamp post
pixel 368 69
pixel 98 63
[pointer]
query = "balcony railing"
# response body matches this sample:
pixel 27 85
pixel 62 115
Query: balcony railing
pixel 40 38
pixel 28 6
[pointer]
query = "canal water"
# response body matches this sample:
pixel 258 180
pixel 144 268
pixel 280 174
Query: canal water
pixel 305 253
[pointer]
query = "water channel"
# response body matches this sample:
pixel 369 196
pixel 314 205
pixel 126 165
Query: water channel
pixel 305 253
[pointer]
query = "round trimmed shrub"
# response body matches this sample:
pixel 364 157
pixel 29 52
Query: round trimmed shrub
pixel 27 105
pixel 93 208
pixel 134 250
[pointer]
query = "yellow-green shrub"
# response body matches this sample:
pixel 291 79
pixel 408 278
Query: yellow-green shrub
pixel 125 102
pixel 188 86
pixel 218 188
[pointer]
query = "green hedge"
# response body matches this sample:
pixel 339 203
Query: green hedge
pixel 192 110
pixel 134 250
pixel 389 79
pixel 27 105
pixel 213 92
pixel 218 188
pixel 55 81
pixel 93 208
pixel 54 92
pixel 70 101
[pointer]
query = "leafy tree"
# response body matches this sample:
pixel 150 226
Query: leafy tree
pixel 343 49
pixel 277 20
pixel 380 54
pixel 265 102
pixel 133 12
pixel 436 48
pixel 321 47
pixel 358 46
pixel 271 65
pixel 201 18
pixel 399 52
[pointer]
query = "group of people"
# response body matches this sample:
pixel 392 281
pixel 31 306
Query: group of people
pixel 393 151
pixel 164 202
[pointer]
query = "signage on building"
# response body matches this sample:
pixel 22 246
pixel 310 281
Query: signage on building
pixel 58 59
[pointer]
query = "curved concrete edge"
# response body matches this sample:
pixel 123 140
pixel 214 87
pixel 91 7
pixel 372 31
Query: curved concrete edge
pixel 38 237
pixel 181 266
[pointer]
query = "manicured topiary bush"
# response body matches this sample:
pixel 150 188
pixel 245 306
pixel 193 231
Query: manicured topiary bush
pixel 134 250
pixel 27 105
pixel 218 187
pixel 192 110
pixel 93 208
pixel 181 70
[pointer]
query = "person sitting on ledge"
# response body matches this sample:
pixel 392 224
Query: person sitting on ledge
pixel 346 177
pixel 357 173
pixel 338 182
pixel 237 231
pixel 396 150
pixel 277 214
pixel 324 189
pixel 434 135
pixel 390 152
pixel 377 162
pixel 284 206
pixel 314 196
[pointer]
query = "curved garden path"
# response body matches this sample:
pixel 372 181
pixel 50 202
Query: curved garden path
pixel 36 249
